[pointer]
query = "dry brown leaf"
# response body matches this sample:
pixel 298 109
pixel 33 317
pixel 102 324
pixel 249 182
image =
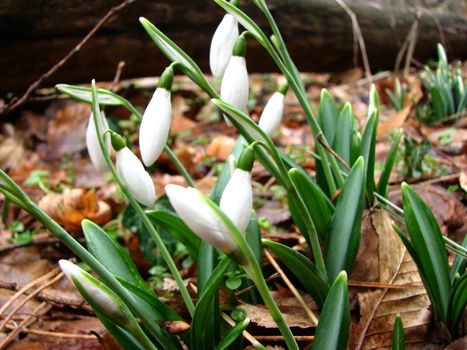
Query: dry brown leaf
pixel 12 152
pixel 463 180
pixel 378 308
pixel 221 147
pixel 73 205
pixel 66 131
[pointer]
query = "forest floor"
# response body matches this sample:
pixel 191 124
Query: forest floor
pixel 44 150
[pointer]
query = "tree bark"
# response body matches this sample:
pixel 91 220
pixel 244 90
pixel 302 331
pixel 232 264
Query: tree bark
pixel 34 35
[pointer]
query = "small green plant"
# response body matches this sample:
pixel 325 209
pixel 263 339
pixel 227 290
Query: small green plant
pixel 39 178
pixel 20 234
pixel 446 94
pixel 398 98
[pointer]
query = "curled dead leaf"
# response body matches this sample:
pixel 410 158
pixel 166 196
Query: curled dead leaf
pixel 175 327
pixel 73 205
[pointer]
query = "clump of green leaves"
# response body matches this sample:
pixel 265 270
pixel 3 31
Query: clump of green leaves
pixel 20 234
pixel 447 98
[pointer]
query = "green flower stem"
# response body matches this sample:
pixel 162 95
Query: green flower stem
pixel 140 212
pixel 244 256
pixel 186 175
pixel 258 279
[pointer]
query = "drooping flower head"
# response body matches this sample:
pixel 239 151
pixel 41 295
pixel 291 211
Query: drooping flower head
pixel 222 44
pixel 237 198
pixel 272 114
pixel 235 85
pixel 92 142
pixel 157 117
pixel 97 294
pixel 132 171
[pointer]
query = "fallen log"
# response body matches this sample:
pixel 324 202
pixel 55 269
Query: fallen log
pixel 319 34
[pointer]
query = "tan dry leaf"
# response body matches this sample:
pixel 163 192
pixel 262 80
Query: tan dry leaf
pixel 73 205
pixel 463 180
pixel 221 147
pixel 378 308
pixel 12 152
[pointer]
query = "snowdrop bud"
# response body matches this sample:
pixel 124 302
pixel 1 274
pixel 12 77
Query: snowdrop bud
pixel 272 114
pixel 202 220
pixel 237 198
pixel 92 142
pixel 234 87
pixel 155 126
pixel 98 295
pixel 132 171
pixel 222 44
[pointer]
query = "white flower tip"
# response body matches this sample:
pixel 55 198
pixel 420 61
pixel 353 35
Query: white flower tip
pixel 69 268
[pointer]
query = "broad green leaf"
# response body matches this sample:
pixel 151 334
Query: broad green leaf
pixel 177 228
pixel 317 203
pixel 383 183
pixel 439 106
pixel 154 310
pixel 111 254
pixel 457 304
pixel 343 136
pixel 233 334
pixel 201 327
pixel 328 115
pixel 306 271
pixel 84 94
pixel 398 337
pixel 333 328
pixel 428 243
pixel 368 154
pixel 344 229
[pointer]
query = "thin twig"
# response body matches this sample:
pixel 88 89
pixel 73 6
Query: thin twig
pixel 277 338
pixel 411 44
pixel 29 297
pixel 357 31
pixel 330 150
pixel 51 298
pixel 41 309
pixel 292 288
pixel 54 334
pixel 16 103
pixel 26 287
pixel 118 74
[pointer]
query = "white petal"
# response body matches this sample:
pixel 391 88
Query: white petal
pixel 106 303
pixel 138 180
pixel 234 87
pixel 155 126
pixel 92 143
pixel 272 114
pixel 222 44
pixel 202 220
pixel 237 199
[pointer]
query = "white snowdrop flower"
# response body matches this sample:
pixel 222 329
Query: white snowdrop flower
pixel 132 171
pixel 99 296
pixel 272 114
pixel 235 85
pixel 237 199
pixel 222 44
pixel 155 126
pixel 202 220
pixel 92 142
